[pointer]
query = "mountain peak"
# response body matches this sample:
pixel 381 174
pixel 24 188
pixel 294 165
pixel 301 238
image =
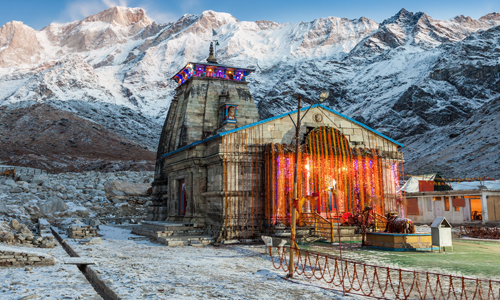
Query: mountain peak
pixel 491 16
pixel 124 16
pixel 219 16
pixel 403 16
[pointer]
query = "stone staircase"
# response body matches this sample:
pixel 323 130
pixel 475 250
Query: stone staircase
pixel 174 233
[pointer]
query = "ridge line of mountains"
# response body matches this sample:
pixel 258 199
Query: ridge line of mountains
pixel 431 84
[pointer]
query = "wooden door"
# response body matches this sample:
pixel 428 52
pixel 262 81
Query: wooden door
pixel 493 208
pixel 438 208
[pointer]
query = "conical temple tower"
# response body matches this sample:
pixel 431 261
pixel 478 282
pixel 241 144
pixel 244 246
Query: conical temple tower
pixel 211 98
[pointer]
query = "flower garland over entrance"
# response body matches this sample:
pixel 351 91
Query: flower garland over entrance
pixel 328 165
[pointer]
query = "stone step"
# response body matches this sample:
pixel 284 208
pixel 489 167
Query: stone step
pixel 180 233
pixel 197 241
pixel 141 231
pixel 163 227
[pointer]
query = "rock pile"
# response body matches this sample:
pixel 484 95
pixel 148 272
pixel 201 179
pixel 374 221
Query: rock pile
pixel 64 195
pixel 19 259
pixel 21 234
pixel 81 232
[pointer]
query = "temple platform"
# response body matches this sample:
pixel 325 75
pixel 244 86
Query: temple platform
pixel 174 233
pixel 400 241
pixel 308 234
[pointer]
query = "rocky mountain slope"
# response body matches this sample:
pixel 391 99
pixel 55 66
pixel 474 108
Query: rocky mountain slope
pixel 411 77
pixel 45 137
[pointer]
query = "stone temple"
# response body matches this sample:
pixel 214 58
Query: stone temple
pixel 228 173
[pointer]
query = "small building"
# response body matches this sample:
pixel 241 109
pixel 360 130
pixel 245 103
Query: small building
pixel 464 203
pixel 222 168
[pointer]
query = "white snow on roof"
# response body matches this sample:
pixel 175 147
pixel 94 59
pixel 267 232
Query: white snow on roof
pixel 474 185
pixel 411 185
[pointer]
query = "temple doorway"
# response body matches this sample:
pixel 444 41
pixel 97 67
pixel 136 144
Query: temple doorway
pixel 182 197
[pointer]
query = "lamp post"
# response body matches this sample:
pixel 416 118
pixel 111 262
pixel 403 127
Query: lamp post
pixel 295 199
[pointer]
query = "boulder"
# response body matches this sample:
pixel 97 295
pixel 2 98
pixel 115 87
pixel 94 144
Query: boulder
pixel 52 206
pixel 25 230
pixel 95 241
pixel 39 179
pixel 14 224
pixel 82 212
pixel 10 182
pixel 16 190
pixel 119 189
pixel 3 208
pixel 48 244
pixel 6 237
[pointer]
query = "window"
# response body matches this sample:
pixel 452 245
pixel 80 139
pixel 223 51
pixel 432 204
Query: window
pixel 412 206
pixel 447 203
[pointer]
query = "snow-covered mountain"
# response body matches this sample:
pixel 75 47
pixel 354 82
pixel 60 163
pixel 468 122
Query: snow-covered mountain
pixel 411 77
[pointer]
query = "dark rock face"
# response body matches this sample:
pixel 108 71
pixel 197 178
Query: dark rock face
pixel 458 85
pixel 46 137
pixel 426 106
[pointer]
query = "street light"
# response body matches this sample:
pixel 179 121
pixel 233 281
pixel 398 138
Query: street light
pixel 295 200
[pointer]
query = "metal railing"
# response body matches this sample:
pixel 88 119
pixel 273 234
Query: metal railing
pixel 380 222
pixel 25 170
pixel 322 226
pixel 381 282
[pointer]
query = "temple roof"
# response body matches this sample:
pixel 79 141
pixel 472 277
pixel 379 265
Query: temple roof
pixel 207 69
pixel 281 116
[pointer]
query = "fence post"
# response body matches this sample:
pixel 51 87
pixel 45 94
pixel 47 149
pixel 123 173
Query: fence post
pixel 331 233
pixel 315 225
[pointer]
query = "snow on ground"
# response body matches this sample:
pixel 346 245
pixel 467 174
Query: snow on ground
pixel 137 269
pixel 47 282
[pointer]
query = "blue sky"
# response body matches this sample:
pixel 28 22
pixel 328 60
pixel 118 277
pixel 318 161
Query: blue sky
pixel 38 13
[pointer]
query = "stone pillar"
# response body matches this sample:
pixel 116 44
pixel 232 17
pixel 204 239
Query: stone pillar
pixel 484 207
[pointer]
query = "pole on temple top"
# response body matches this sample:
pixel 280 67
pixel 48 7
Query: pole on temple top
pixel 211 58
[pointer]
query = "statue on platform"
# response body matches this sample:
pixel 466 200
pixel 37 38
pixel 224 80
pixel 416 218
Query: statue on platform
pixel 398 225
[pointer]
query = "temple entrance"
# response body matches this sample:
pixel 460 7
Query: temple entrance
pixel 182 197
pixel 327 166
pixel 475 208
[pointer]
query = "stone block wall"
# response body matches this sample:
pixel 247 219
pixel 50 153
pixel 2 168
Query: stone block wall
pixel 81 232
pixel 19 259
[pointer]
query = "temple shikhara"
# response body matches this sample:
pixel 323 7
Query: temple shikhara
pixel 222 168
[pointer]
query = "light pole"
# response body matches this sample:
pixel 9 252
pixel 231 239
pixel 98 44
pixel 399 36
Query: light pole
pixel 295 199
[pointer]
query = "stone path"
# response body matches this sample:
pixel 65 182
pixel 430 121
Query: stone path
pixel 144 270
pixel 60 281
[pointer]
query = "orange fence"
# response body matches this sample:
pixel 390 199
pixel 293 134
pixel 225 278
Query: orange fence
pixel 480 232
pixel 381 282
